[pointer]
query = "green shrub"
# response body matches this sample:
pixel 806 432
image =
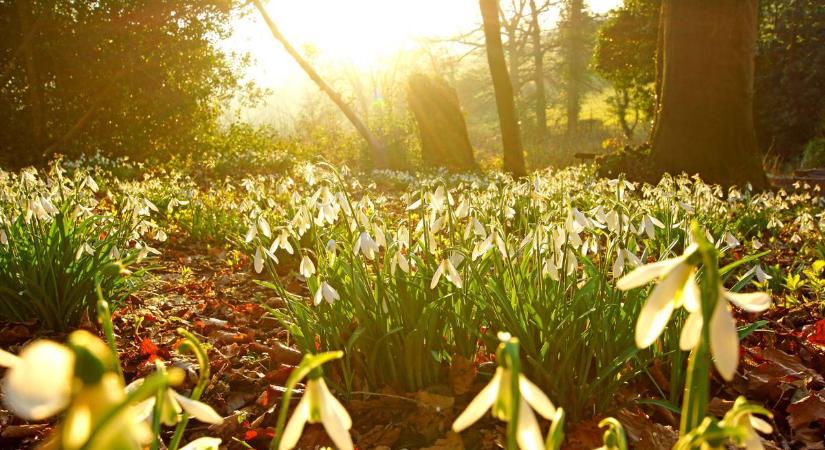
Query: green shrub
pixel 57 240
pixel 814 154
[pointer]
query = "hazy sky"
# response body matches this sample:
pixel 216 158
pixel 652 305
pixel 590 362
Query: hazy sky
pixel 359 33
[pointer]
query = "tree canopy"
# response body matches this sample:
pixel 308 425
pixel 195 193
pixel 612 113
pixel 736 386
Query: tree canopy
pixel 112 76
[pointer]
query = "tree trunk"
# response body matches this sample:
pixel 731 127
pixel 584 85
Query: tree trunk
pixel 510 133
pixel 377 152
pixel 622 103
pixel 441 126
pixel 538 75
pixel 704 122
pixel 576 63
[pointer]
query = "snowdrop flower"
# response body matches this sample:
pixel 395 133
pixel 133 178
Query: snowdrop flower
pixel 447 269
pixel 307 267
pixel 174 203
pixel 264 226
pixel 326 292
pixel 93 402
pixel 649 225
pixel 399 260
pixel 498 397
pixel 85 248
pixel 90 183
pixel 173 404
pixel 251 232
pixel 258 262
pixel 38 383
pixel 282 242
pixel 724 338
pixel 759 273
pixel 750 424
pixel 318 405
pixel 619 265
pixel 730 240
pixel 366 245
pixel 677 288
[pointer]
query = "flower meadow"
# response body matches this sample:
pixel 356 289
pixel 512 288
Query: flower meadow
pixel 545 301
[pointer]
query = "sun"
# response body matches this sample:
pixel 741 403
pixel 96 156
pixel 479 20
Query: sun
pixel 356 33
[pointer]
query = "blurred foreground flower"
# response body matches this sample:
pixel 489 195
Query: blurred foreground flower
pixel 38 383
pixel 677 288
pixel 318 405
pixel 498 396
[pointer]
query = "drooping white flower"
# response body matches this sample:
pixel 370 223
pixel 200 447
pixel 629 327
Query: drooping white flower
pixel 173 404
pixel 263 225
pixel 90 183
pixel 38 383
pixel 318 405
pixel 326 292
pixel 677 288
pixel 448 270
pixel 648 226
pixel 307 267
pixel 258 262
pixel 497 396
pixel 399 260
pixel 366 245
pixel 759 273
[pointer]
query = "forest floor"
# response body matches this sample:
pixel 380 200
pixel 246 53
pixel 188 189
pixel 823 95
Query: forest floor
pixel 251 357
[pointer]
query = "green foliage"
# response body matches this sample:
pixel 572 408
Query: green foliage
pixel 814 154
pixel 134 78
pixel 409 282
pixel 626 56
pixel 57 241
pixel 790 75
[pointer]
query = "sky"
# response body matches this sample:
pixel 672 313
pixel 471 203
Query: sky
pixel 355 33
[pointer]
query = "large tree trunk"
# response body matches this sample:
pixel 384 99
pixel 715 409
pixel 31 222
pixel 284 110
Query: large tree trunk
pixel 704 121
pixel 441 126
pixel 538 74
pixel 377 151
pixel 510 133
pixel 576 60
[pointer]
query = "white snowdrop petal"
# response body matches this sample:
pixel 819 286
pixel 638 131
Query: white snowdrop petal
pixel 750 302
pixel 536 398
pixel 724 340
pixel 647 273
pixel 198 410
pixel 480 404
pixel 528 432
pixel 691 332
pixel 295 427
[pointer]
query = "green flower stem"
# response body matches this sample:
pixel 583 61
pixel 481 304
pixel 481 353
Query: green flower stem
pixel 697 385
pixel 192 343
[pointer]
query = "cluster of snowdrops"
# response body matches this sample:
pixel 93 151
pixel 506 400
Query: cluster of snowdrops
pixel 405 275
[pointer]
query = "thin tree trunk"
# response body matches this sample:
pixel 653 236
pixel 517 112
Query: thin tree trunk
pixel 538 75
pixel 576 63
pixel 34 83
pixel 705 118
pixel 622 102
pixel 510 133
pixel 379 157
pixel 660 64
